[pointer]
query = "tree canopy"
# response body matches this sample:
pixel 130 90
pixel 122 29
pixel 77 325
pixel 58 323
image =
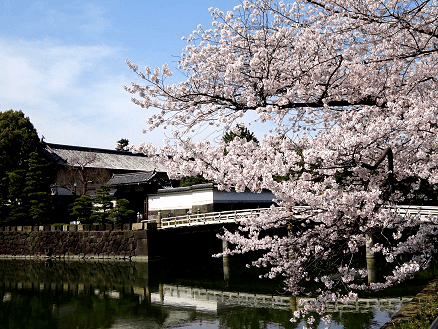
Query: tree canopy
pixel 122 144
pixel 18 138
pixel 24 181
pixel 347 91
pixel 239 131
pixel 82 209
pixel 103 205
pixel 192 180
pixel 121 212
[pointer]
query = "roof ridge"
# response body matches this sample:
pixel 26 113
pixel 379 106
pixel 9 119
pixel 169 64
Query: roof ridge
pixel 92 149
pixel 109 159
pixel 135 173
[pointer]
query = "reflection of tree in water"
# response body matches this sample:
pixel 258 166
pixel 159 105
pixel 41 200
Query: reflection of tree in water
pixel 356 320
pixel 245 317
pixel 34 310
pixel 157 313
pixel 242 317
pixel 100 312
pixel 86 312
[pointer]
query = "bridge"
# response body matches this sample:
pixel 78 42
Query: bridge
pixel 235 216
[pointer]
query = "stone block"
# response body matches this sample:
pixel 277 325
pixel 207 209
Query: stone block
pixel 137 226
pixel 140 234
pixel 85 227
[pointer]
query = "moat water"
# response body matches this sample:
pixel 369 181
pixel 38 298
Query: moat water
pixel 160 294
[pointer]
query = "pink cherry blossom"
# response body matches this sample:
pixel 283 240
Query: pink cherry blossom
pixel 348 91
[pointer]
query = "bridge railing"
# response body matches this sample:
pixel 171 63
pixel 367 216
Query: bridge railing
pixel 206 218
pixel 424 212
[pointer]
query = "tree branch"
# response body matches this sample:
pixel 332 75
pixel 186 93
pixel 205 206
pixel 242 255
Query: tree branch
pixel 387 153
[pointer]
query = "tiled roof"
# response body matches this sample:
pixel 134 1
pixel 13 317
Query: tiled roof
pixel 133 178
pixel 186 188
pixel 101 158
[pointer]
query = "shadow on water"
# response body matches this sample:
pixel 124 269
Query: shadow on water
pixel 162 294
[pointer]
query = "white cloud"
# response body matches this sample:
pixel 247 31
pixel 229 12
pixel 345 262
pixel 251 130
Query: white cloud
pixel 70 93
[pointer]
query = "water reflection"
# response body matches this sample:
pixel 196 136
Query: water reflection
pixel 74 295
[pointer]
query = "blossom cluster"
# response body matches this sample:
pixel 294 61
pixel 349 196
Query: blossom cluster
pixel 348 93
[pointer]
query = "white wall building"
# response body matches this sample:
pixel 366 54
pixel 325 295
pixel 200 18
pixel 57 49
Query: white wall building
pixel 203 198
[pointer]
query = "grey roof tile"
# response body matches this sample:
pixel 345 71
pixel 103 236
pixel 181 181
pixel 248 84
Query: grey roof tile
pixel 132 178
pixel 101 158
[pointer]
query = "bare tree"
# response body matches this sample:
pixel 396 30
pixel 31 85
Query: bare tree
pixel 79 175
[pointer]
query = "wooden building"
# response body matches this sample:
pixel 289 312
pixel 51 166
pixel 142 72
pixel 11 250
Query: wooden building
pixel 140 180
pixel 81 170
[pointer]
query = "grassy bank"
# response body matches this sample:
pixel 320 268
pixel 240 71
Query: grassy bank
pixel 420 312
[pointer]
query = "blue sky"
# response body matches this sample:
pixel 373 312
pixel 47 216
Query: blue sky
pixel 63 62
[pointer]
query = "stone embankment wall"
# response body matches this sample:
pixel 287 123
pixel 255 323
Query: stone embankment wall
pixel 75 241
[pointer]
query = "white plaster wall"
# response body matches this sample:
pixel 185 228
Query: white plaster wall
pixel 180 200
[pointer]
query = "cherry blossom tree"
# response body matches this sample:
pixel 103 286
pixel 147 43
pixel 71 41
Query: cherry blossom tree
pixel 347 91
